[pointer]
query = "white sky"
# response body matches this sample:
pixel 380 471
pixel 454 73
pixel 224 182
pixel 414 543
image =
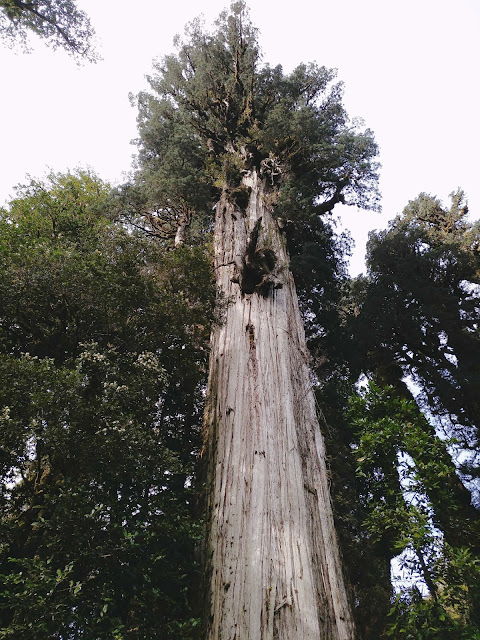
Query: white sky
pixel 410 68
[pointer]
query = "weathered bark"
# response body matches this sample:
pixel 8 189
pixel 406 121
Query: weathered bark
pixel 274 560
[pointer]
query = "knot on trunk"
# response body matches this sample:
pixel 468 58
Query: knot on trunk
pixel 257 271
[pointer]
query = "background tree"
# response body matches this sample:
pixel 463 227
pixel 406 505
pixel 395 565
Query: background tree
pixel 102 363
pixel 427 263
pixel 416 310
pixel 59 22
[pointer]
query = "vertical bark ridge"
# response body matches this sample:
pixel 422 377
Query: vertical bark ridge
pixel 275 564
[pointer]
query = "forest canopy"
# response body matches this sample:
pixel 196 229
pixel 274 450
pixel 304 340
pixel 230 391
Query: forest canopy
pixel 107 303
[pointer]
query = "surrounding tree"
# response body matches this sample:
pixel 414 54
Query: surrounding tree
pixel 427 263
pixel 416 321
pixel 59 22
pixel 102 365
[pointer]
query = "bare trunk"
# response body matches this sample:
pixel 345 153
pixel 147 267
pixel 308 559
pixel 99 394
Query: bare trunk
pixel 275 565
pixel 180 234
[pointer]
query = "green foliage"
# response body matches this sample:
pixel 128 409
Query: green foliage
pixel 317 260
pixel 102 363
pixel 215 99
pixel 452 613
pixel 59 22
pixel 174 171
pixel 414 505
pixel 427 263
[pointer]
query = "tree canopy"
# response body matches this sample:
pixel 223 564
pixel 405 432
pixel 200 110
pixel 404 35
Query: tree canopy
pixel 104 326
pixel 427 262
pixel 102 361
pixel 59 22
pixel 216 110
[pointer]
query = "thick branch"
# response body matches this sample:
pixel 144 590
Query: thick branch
pixel 338 197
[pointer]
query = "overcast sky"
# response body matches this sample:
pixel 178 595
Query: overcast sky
pixel 410 68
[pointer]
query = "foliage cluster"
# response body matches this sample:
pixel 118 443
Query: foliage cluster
pixel 102 363
pixel 214 107
pixel 59 22
pixel 412 502
pixel 414 319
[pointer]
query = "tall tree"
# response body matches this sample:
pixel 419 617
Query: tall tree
pixel 427 263
pixel 274 151
pixel 59 22
pixel 416 316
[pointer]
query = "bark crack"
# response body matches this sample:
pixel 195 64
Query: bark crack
pixel 275 566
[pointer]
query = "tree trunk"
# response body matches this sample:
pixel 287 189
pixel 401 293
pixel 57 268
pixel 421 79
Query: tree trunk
pixel 453 511
pixel 275 568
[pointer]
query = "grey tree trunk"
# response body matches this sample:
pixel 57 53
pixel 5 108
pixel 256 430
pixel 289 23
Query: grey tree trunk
pixel 275 565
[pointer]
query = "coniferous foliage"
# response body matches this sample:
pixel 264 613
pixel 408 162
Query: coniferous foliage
pixel 216 111
pixel 422 309
pixel 416 315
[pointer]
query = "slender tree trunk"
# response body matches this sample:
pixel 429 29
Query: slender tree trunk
pixel 274 560
pixel 456 516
